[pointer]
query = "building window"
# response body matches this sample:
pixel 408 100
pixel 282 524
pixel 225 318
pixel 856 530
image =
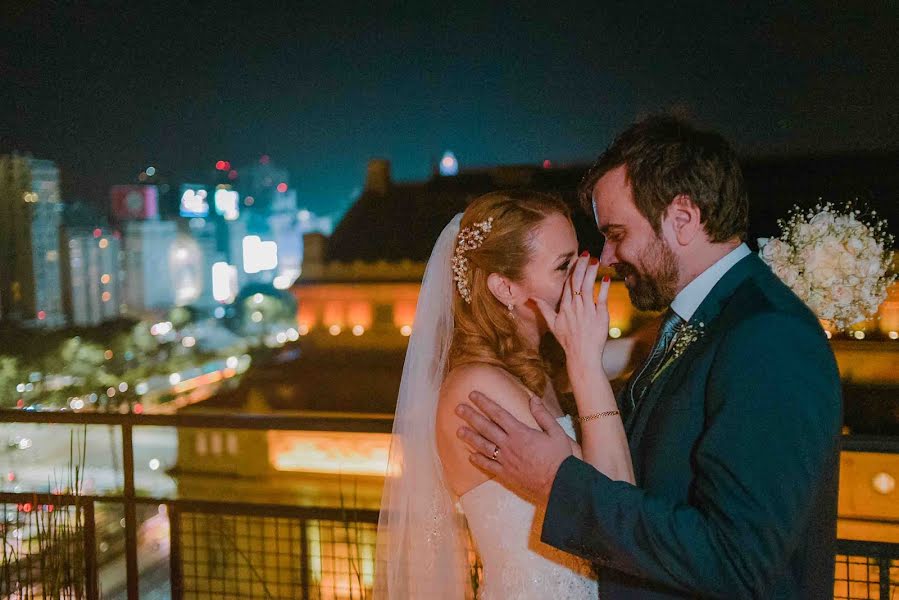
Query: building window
pixel 200 443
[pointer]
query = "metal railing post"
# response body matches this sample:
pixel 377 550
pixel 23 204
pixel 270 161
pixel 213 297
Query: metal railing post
pixel 176 576
pixel 884 563
pixel 91 574
pixel 130 513
pixel 304 560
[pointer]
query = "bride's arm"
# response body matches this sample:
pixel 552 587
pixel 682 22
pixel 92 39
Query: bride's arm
pixel 582 327
pixel 603 440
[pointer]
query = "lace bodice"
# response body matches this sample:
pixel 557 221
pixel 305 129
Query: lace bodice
pixel 506 530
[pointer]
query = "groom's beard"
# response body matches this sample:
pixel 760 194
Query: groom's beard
pixel 655 286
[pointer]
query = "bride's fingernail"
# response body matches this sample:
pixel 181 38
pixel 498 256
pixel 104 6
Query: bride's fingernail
pixel 585 253
pixel 594 261
pixel 606 279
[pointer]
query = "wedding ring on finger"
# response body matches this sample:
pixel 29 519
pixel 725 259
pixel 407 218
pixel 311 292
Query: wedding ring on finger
pixel 577 292
pixel 495 452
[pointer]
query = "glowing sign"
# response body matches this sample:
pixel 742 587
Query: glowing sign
pixel 227 203
pixel 193 201
pixel 259 255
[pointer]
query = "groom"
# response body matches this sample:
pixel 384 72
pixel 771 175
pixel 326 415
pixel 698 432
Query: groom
pixel 733 421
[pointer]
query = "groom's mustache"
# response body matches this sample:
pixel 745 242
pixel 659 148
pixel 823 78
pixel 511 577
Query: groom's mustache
pixel 625 269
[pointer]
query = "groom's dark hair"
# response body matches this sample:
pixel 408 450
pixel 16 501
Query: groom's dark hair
pixel 665 157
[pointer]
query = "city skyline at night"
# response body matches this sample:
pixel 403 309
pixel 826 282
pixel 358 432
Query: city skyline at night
pixel 322 91
pixel 239 297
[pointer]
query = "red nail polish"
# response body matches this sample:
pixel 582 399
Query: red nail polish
pixel 606 279
pixel 594 261
pixel 585 253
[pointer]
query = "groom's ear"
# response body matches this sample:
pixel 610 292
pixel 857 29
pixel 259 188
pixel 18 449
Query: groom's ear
pixel 500 288
pixel 685 219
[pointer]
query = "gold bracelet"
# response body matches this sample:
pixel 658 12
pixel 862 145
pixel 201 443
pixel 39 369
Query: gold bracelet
pixel 608 413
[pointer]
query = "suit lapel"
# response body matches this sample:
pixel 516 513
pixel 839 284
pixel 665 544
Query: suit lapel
pixel 671 376
pixel 707 312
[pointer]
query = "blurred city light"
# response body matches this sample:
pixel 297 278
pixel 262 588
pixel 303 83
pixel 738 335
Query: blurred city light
pixel 186 270
pixel 227 204
pixel 259 255
pixel 193 201
pixel 329 452
pixel 449 165
pixel 224 284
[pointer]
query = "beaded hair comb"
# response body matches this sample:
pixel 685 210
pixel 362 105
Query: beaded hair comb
pixel 469 238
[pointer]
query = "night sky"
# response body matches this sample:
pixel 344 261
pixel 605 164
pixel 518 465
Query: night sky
pixel 107 92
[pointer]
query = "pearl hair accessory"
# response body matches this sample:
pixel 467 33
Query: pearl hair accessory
pixel 469 238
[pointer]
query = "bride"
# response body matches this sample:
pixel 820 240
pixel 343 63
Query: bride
pixel 478 327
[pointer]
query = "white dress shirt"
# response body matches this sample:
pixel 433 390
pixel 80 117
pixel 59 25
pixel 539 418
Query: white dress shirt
pixel 689 298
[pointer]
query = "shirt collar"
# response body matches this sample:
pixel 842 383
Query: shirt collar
pixel 689 298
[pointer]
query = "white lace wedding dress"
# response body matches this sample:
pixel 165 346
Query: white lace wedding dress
pixel 506 530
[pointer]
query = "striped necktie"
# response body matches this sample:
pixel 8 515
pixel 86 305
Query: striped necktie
pixel 643 378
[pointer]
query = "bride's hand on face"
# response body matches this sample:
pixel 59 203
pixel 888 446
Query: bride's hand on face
pixel 581 325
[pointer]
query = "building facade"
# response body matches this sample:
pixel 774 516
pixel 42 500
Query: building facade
pixel 92 275
pixel 148 285
pixel 30 218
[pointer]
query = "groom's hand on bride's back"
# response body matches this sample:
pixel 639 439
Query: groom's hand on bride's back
pixel 527 459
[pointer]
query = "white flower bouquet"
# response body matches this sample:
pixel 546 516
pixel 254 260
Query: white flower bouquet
pixel 837 261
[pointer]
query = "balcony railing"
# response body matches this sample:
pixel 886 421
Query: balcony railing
pixel 220 549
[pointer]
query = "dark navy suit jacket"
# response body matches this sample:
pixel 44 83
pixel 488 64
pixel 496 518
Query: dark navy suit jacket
pixel 735 451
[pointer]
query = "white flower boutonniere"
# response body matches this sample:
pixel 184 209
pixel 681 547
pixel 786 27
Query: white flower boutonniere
pixel 685 335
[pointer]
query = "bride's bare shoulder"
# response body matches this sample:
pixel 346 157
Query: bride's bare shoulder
pixel 481 377
pixel 492 381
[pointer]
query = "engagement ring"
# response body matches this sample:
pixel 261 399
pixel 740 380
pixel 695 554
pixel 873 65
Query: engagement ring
pixel 495 452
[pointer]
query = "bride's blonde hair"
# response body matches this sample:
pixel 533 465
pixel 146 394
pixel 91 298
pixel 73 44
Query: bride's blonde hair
pixel 484 331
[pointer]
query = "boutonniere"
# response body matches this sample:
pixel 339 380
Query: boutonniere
pixel 686 334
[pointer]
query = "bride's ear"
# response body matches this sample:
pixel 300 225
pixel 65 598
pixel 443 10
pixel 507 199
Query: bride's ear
pixel 501 288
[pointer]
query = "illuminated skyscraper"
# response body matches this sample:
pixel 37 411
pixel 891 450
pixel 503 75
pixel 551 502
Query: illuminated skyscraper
pixel 148 284
pixel 30 216
pixel 90 264
pixel 271 206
